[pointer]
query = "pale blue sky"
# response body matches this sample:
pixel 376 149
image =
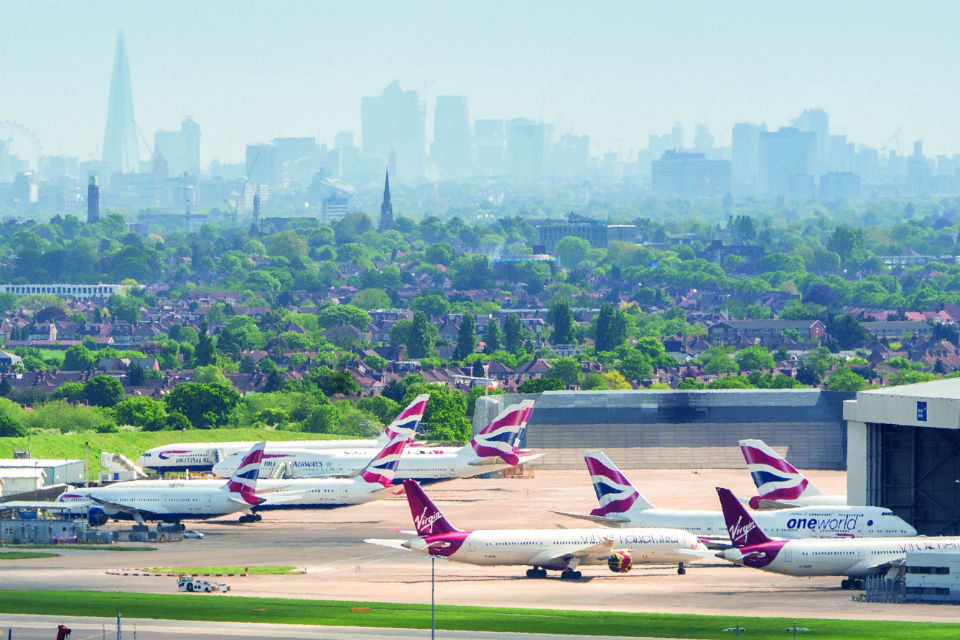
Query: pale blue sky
pixel 250 71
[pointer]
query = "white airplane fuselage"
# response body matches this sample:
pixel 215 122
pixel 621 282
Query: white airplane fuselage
pixel 167 502
pixel 201 456
pixel 802 522
pixel 841 557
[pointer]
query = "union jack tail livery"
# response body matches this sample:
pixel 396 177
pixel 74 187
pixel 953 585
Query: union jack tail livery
pixel 743 529
pixel 776 479
pixel 384 465
pixel 614 491
pixel 244 479
pixel 426 517
pixel 498 437
pixel 407 423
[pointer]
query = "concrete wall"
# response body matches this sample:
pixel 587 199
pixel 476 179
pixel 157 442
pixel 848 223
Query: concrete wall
pixel 680 429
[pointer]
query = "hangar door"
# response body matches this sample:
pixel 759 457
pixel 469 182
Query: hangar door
pixel 916 473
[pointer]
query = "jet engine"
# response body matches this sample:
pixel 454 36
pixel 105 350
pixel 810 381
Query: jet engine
pixel 96 517
pixel 620 562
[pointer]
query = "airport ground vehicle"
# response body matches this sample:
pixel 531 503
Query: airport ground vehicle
pixel 190 533
pixel 193 584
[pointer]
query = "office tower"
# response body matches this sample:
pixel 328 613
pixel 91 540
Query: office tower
pixel 571 155
pixel 702 139
pixel 490 142
pixel 528 146
pixel 677 136
pixel 386 207
pixel 261 163
pixel 451 138
pixel 817 122
pixel 690 175
pixel 179 150
pixel 333 208
pixel 295 157
pixel 786 162
pixel 745 157
pixel 93 200
pixel 120 136
pixel 394 122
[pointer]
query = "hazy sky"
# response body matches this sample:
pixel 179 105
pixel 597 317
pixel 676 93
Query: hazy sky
pixel 619 71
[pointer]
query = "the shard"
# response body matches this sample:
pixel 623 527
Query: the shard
pixel 120 136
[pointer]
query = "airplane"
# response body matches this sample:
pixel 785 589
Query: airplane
pixel 543 549
pixel 622 505
pixel 142 500
pixel 202 456
pixel 491 449
pixel 779 484
pixel 854 558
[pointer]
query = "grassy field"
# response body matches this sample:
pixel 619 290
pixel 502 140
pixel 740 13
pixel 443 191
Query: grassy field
pixel 262 570
pixel 132 444
pixel 413 616
pixel 80 547
pixel 24 555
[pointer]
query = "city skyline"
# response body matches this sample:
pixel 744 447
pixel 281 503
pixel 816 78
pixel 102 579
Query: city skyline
pixel 653 66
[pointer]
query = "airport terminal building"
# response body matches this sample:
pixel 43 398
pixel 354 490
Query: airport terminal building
pixel 903 452
pixel 680 429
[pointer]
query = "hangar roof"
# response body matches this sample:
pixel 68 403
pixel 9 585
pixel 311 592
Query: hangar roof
pixel 925 404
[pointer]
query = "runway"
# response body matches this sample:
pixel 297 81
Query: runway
pixel 328 546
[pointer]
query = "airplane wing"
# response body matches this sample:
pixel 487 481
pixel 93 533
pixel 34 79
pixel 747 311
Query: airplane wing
pixel 594 552
pixel 393 543
pixel 136 512
pixel 607 521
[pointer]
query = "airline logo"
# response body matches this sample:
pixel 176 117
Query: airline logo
pixel 614 491
pixel 424 522
pixel 166 453
pixel 497 438
pixel 740 532
pixel 382 468
pixel 244 479
pixel 405 425
pixel 776 479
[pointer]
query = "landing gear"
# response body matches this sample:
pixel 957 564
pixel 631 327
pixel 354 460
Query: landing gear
pixel 852 583
pixel 536 573
pixel 251 517
pixel 680 569
pixel 570 575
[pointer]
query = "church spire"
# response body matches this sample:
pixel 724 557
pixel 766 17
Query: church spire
pixel 386 207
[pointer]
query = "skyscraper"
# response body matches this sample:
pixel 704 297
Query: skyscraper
pixel 386 207
pixel 451 138
pixel 180 149
pixel 745 156
pixel 394 122
pixel 120 135
pixel 93 200
pixel 787 157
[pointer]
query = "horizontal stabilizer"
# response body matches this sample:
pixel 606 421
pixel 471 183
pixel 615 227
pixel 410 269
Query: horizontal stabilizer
pixel 607 521
pixel 393 543
pixel 698 553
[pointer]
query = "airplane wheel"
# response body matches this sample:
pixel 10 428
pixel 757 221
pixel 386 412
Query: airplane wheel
pixel 844 584
pixel 531 573
pixel 257 517
pixel 541 573
pixel 577 575
pixel 857 584
pixel 681 570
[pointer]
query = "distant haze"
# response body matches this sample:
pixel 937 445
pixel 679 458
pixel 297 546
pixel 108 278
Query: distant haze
pixel 617 71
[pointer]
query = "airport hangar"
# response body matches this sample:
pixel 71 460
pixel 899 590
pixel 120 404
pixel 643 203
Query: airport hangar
pixel 680 429
pixel 903 452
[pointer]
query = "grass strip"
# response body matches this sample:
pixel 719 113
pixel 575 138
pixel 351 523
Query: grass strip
pixel 24 555
pixel 182 606
pixel 263 570
pixel 80 547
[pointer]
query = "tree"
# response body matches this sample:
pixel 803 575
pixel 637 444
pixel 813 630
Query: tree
pixel 566 369
pixel 135 375
pixel 433 305
pixel 611 328
pixel 211 374
pixel 332 315
pixel 844 379
pixel 103 391
pixel 513 333
pixel 754 357
pixel 477 370
pixel 205 352
pixel 445 417
pixel 466 337
pixel 205 405
pixel 143 412
pixel 72 392
pixel 369 299
pixel 288 244
pixel 11 419
pixel 564 327
pixel 381 406
pixel 635 365
pixel 79 358
pixel 539 385
pixel 848 332
pixel 6 387
pixel 492 336
pixel 571 250
pixel 420 339
pixel 716 360
pixel 333 382
pixel 323 418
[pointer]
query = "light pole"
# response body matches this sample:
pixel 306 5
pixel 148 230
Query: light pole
pixel 795 629
pixel 433 602
pixel 737 628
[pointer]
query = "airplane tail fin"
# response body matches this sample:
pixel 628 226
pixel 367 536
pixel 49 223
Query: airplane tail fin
pixel 244 479
pixel 427 519
pixel 407 421
pixel 614 492
pixel 383 466
pixel 776 479
pixel 497 438
pixel 743 529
